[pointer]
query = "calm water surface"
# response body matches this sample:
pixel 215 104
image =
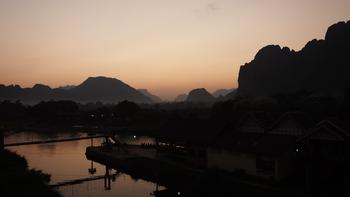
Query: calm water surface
pixel 66 161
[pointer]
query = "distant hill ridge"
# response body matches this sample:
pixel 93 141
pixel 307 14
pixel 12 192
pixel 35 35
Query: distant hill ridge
pixel 93 89
pixel 150 95
pixel 222 92
pixel 200 95
pixel 180 98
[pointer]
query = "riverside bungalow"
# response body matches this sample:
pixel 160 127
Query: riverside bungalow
pixel 325 153
pixel 266 155
pixel 258 149
pixel 320 154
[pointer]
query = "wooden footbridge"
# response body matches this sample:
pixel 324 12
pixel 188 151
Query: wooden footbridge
pixel 55 140
pixel 106 177
pixel 109 138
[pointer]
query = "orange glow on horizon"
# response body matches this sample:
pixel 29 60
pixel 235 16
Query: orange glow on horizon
pixel 168 47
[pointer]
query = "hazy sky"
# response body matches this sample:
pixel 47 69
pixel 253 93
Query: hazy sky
pixel 166 46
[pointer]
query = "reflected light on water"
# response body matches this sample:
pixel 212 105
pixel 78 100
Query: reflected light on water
pixel 66 161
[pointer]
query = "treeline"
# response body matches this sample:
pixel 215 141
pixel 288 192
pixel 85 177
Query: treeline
pixel 65 111
pixel 314 107
pixel 123 114
pixel 153 116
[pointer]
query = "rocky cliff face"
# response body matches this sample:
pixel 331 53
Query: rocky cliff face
pixel 321 67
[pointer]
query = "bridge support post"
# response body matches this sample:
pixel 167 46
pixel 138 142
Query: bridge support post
pixel 107 179
pixel 2 140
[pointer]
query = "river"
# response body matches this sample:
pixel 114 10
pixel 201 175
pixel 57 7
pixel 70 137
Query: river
pixel 66 161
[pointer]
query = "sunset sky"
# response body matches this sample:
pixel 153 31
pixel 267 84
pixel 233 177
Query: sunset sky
pixel 166 46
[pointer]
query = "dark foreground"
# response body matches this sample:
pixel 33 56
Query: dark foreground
pixel 18 180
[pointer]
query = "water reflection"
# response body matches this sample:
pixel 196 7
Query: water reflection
pixel 66 161
pixel 49 148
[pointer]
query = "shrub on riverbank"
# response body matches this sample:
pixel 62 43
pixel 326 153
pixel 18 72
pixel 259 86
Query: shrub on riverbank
pixel 18 180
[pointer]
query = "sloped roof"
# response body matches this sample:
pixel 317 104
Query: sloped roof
pixel 336 126
pixel 299 117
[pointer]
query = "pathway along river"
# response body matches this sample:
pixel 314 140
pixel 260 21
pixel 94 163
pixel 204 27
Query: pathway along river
pixel 66 161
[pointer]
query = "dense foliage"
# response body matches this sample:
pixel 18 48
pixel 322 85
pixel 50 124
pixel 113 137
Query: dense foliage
pixel 127 114
pixel 18 180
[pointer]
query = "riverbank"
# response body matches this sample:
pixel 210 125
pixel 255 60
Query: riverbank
pixel 163 172
pixel 18 180
pixel 180 178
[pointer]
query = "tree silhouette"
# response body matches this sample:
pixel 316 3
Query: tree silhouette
pixel 126 110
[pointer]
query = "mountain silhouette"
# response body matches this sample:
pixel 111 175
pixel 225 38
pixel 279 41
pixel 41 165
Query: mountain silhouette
pixel 230 95
pixel 321 67
pixel 153 97
pixel 93 89
pixel 180 98
pixel 200 95
pixel 222 92
pixel 67 87
pixel 107 90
